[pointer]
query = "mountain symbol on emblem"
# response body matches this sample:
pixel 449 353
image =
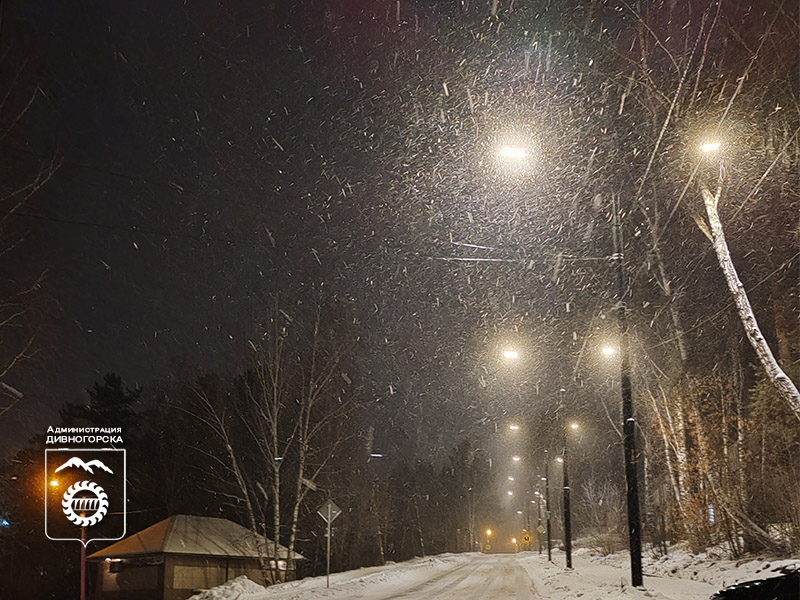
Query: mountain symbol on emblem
pixel 77 462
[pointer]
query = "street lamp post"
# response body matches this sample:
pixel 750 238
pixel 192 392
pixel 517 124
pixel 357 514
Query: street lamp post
pixel 628 422
pixel 567 510
pixel 565 482
pixel 547 503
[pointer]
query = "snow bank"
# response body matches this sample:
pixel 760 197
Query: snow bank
pixel 230 590
pixel 710 567
pixel 604 578
pixel 720 572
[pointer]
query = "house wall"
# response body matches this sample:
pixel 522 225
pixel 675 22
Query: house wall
pixel 174 576
pixel 246 567
pixel 184 575
pixel 138 578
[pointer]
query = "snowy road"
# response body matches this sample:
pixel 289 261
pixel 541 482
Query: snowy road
pixel 473 576
pixel 481 578
pixel 445 577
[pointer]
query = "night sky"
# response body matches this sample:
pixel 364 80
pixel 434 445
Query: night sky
pixel 215 156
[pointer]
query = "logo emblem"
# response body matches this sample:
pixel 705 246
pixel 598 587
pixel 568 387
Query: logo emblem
pixel 85 494
pixel 85 511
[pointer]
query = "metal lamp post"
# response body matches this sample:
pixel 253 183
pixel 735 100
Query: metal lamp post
pixel 567 512
pixel 628 422
pixel 567 508
pixel 547 503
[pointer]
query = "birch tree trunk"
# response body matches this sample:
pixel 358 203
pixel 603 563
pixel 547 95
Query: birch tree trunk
pixel 276 514
pixel 215 420
pixel 779 379
pixel 264 421
pixel 378 526
pixel 316 431
pixel 665 440
pixel 298 498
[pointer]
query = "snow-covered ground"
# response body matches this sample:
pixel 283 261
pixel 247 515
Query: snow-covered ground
pixel 232 590
pixel 709 567
pixel 524 576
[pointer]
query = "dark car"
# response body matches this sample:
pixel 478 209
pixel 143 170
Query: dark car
pixel 782 587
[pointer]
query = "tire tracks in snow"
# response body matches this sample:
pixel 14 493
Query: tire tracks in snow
pixel 436 584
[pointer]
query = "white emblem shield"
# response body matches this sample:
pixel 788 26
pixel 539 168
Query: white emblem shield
pixel 84 494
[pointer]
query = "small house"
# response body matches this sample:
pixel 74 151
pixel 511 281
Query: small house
pixel 178 556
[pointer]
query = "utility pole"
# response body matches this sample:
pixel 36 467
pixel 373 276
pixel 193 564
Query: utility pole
pixel 471 513
pixel 565 479
pixel 547 503
pixel 567 514
pixel 628 422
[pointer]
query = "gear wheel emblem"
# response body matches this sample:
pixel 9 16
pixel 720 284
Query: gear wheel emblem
pixel 85 503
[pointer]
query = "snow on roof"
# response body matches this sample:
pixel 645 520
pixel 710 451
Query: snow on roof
pixel 188 534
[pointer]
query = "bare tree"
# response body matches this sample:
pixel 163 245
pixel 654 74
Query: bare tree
pixel 602 510
pixel 716 234
pixel 217 420
pixel 292 416
pixel 319 432
pixel 267 399
pixel 16 98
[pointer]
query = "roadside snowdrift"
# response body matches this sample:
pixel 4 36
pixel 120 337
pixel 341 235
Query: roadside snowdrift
pixel 231 590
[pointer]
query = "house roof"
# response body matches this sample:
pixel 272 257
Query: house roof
pixel 188 534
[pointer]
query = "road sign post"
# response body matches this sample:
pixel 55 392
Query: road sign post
pixel 329 511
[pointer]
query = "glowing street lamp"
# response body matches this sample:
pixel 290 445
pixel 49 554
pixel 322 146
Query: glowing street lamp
pixel 710 147
pixel 511 478
pixel 609 350
pixel 510 493
pixel 513 152
pixel 510 354
pixel 513 427
pixel 516 458
pixel 54 483
pixel 574 426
